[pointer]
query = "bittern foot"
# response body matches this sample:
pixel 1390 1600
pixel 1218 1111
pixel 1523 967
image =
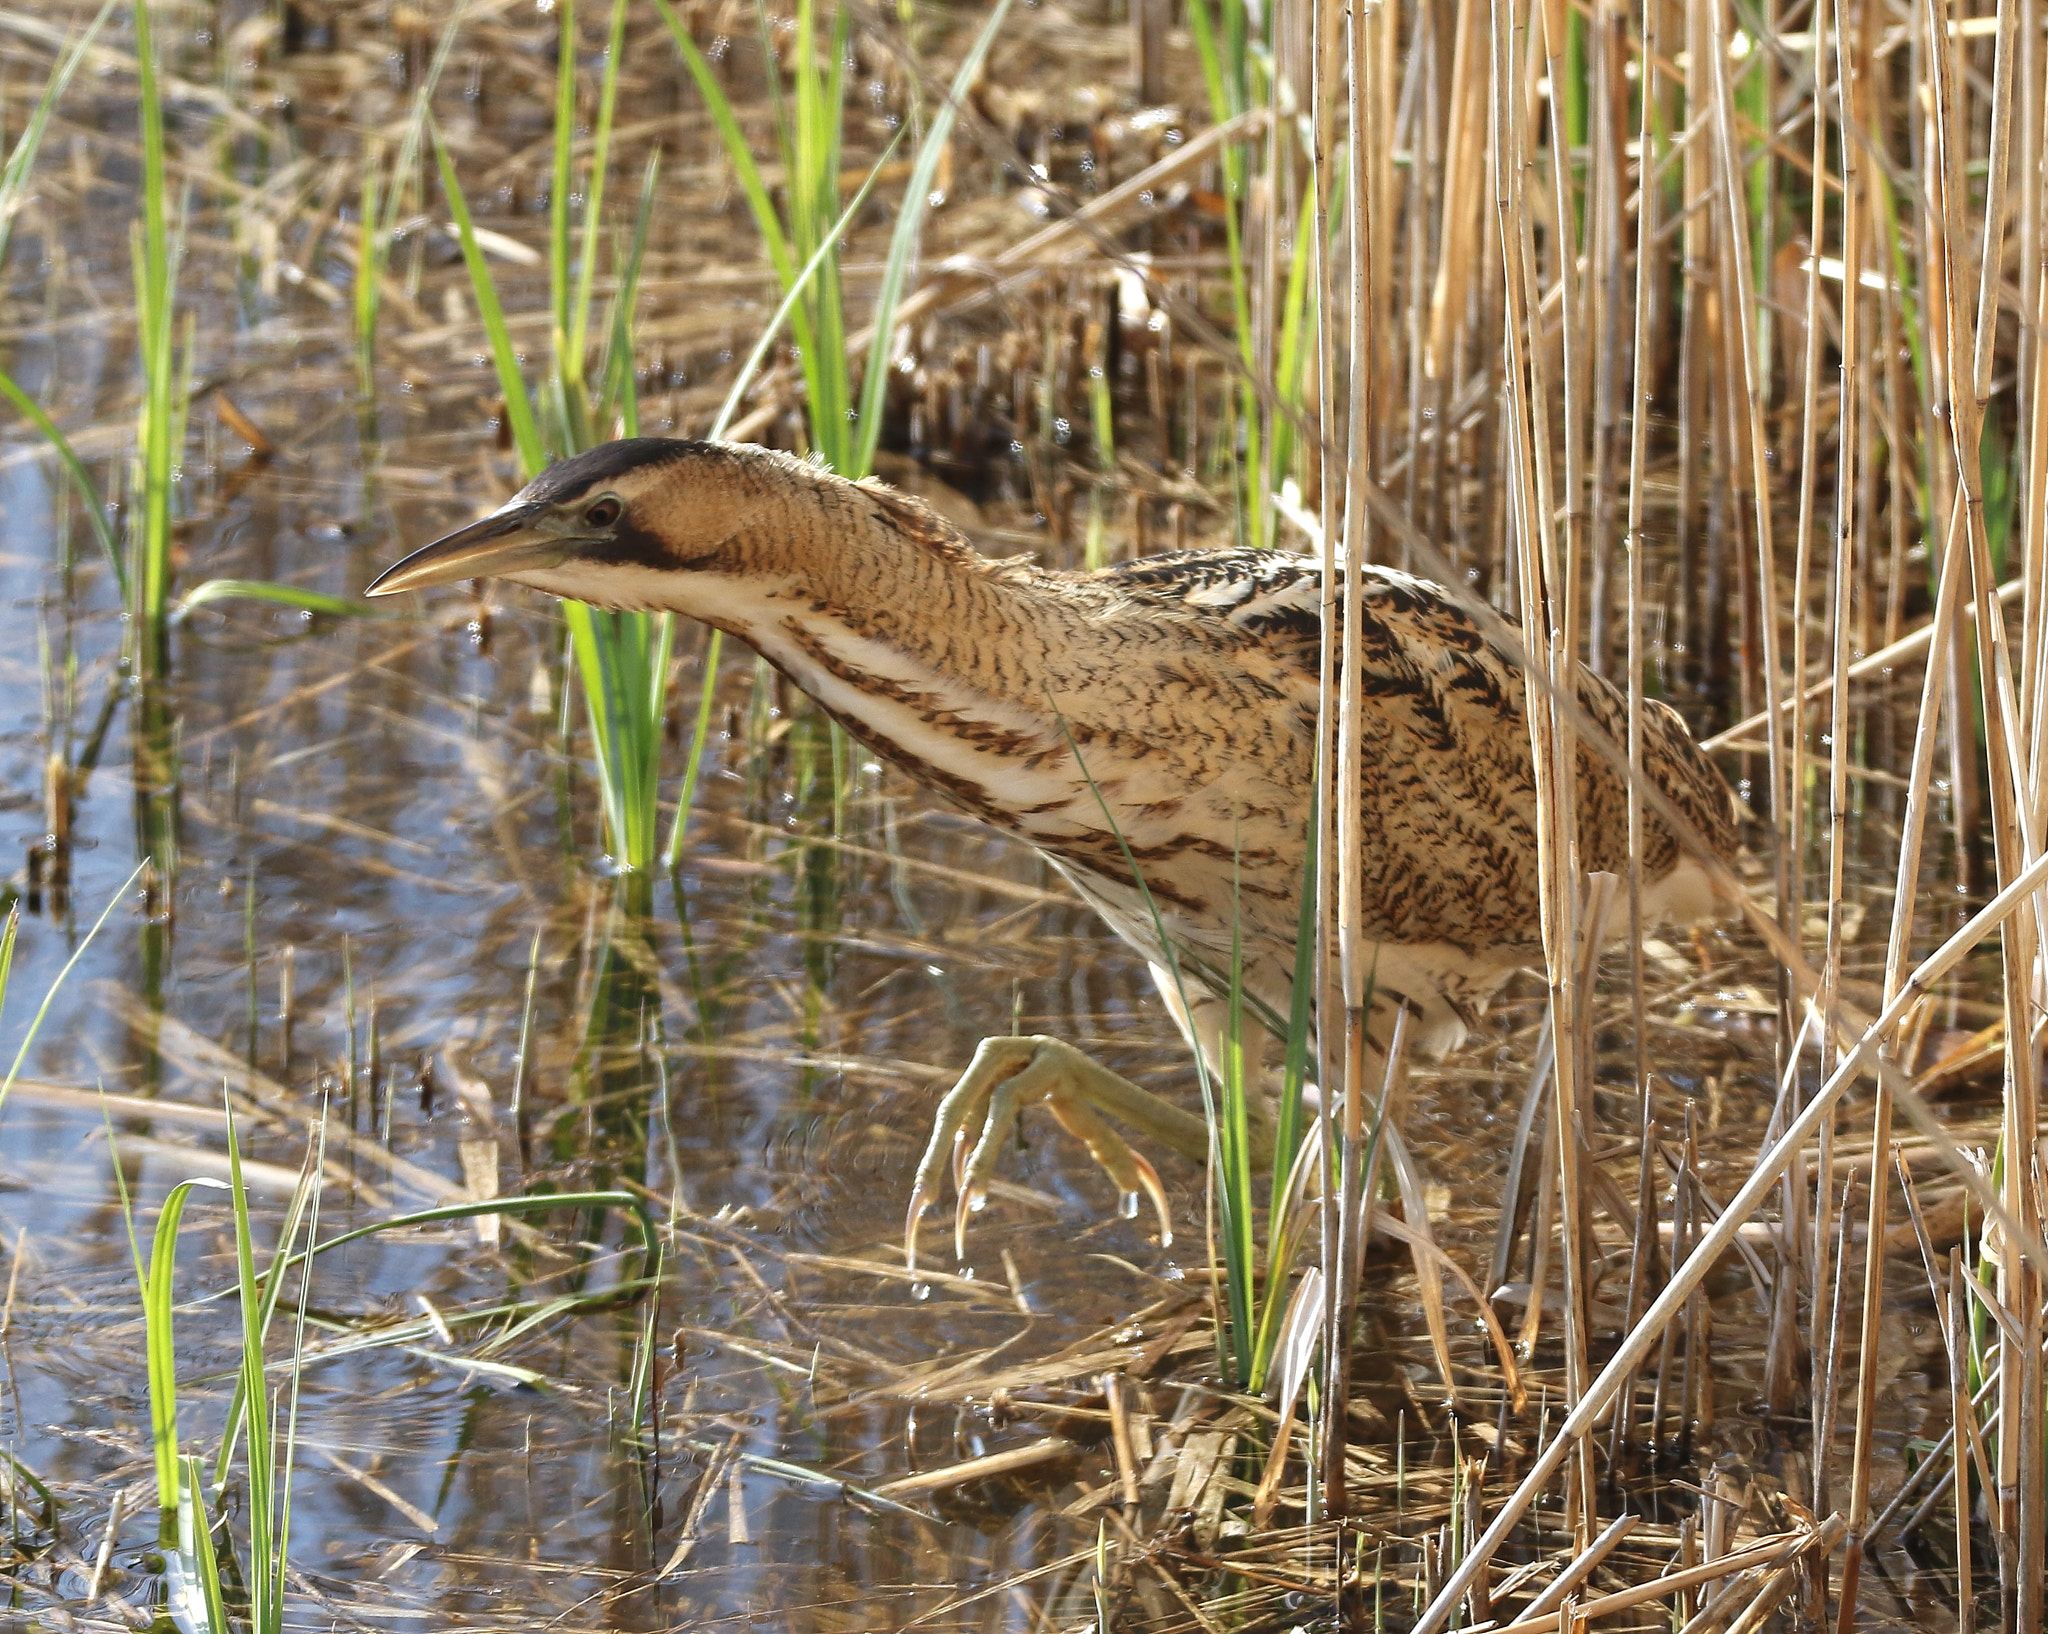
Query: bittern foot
pixel 1009 1074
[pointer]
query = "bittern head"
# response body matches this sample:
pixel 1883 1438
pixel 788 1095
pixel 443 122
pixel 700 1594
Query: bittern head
pixel 613 526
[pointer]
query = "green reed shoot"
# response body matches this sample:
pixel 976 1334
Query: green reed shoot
pixel 266 1428
pixel 572 266
pixel 373 251
pixel 318 602
pixel 378 205
pixel 1231 70
pixel 267 1464
pixel 1282 446
pixel 642 1288
pixel 808 137
pixel 803 245
pixel 1231 1166
pixel 1286 1226
pixel 196 1600
pixel 1234 71
pixel 903 243
pixel 74 468
pixel 182 1486
pixel 8 933
pixel 1102 422
pixel 156 1280
pixel 43 1010
pixel 14 173
pixel 700 733
pixel 805 255
pixel 1255 1294
pixel 620 658
pixel 161 421
pixel 1258 1290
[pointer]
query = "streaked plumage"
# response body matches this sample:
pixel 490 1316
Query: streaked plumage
pixel 1183 687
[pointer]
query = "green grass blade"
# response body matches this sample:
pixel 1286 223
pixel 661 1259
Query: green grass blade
pixel 162 1359
pixel 1211 1106
pixel 370 261
pixel 563 181
pixel 160 413
pixel 593 208
pixel 618 396
pixel 316 1167
pixel 8 933
pixel 700 734
pixel 264 1616
pixel 304 1197
pixel 813 193
pixel 735 141
pixel 518 406
pixel 903 242
pixel 70 964
pixel 650 1239
pixel 1233 1160
pixel 774 237
pixel 280 595
pixel 381 203
pixel 74 468
pixel 14 174
pixel 1287 1122
pixel 201 1608
pixel 597 666
pixel 798 286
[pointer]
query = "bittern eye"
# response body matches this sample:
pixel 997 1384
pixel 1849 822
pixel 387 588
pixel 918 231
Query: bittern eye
pixel 602 513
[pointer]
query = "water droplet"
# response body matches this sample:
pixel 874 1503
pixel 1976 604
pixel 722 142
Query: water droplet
pixel 920 1291
pixel 1127 1205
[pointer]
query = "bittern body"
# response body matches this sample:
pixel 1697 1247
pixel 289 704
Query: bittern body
pixel 1150 729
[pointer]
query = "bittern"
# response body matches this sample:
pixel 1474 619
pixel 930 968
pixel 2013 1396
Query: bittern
pixel 1149 729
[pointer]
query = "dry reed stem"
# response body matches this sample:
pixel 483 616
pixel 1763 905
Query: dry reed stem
pixel 1762 1178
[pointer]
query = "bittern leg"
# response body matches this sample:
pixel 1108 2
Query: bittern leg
pixel 1009 1074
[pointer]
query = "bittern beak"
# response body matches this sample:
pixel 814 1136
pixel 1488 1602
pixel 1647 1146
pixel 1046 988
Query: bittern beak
pixel 509 541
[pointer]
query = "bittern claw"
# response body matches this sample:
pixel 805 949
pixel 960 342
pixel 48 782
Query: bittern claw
pixel 1009 1074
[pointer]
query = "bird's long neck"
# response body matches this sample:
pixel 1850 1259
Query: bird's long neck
pixel 909 638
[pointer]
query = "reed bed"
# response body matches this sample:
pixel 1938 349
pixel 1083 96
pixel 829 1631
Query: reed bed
pixel 1701 342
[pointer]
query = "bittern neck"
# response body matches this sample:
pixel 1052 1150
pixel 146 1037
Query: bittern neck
pixel 944 663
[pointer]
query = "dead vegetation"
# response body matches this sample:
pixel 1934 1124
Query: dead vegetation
pixel 1756 1217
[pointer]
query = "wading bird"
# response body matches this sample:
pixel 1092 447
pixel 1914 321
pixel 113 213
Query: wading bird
pixel 1149 729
